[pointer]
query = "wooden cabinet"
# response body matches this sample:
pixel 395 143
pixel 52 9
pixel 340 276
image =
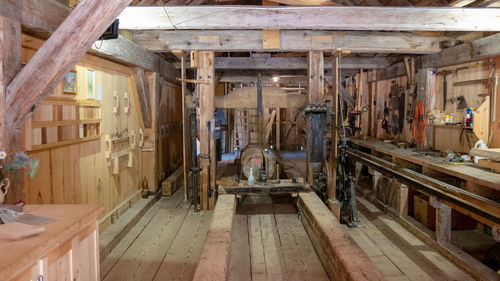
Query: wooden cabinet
pixel 67 250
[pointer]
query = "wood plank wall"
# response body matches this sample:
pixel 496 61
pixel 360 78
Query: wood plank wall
pixel 79 173
pixel 170 121
pixel 440 138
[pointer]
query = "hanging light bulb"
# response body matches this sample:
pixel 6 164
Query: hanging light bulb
pixel 276 78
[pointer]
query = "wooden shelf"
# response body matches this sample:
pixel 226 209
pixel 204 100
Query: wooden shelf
pixel 62 143
pixel 62 123
pixel 452 126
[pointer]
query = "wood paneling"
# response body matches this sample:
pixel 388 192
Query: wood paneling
pixel 78 173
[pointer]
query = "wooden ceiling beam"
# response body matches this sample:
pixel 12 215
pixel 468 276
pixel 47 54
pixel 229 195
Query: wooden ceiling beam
pixel 42 17
pixel 295 63
pixel 127 52
pixel 290 41
pixel 483 48
pixel 286 76
pixel 308 2
pixel 316 18
pixel 57 56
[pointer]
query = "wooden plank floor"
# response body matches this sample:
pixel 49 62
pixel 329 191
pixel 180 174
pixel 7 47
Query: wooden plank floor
pixel 398 253
pixel 164 245
pixel 394 250
pixel 270 243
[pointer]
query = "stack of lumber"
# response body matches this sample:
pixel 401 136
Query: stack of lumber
pixel 173 182
pixel 492 156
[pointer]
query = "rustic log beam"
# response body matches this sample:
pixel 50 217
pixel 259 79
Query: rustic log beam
pixel 480 49
pixel 315 122
pixel 295 63
pixel 317 18
pixel 340 256
pixel 143 95
pixel 291 40
pixel 285 76
pixel 333 161
pixel 206 92
pixel 11 9
pixel 271 97
pixel 127 52
pixel 11 140
pixel 42 17
pixel 214 258
pixel 483 48
pixel 57 56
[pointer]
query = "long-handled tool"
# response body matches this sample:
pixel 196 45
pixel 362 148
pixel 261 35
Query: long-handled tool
pixel 445 86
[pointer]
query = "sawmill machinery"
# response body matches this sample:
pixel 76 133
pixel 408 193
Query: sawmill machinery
pixel 258 167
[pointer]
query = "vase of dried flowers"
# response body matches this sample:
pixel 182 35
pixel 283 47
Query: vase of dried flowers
pixel 10 164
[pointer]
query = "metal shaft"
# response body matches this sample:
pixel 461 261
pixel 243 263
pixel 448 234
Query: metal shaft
pixel 194 159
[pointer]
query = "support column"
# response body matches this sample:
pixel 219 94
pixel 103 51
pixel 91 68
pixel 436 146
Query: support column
pixel 316 124
pixel 11 140
pixel 206 90
pixel 155 86
pixel 403 200
pixel 278 128
pixel 186 163
pixel 334 123
pixel 443 220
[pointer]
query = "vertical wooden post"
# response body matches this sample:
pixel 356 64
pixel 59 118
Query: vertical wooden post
pixel 278 128
pixel 11 140
pixel 443 224
pixel 185 139
pixel 154 88
pixel 373 107
pixel 403 200
pixel 315 132
pixel 334 149
pixel 443 220
pixel 206 72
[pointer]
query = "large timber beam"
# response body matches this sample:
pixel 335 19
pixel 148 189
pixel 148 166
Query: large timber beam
pixel 286 77
pixel 11 140
pixel 127 52
pixel 315 122
pixel 57 56
pixel 42 17
pixel 483 48
pixel 208 162
pixel 296 63
pixel 316 18
pixel 290 40
pixel 272 97
pixel 479 49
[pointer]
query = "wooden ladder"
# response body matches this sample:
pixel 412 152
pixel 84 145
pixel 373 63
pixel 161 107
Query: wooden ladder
pixel 241 130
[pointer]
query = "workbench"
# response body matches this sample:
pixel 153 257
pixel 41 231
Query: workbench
pixel 471 173
pixel 68 249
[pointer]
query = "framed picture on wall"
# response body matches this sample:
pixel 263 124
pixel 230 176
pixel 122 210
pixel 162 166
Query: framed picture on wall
pixel 69 83
pixel 90 84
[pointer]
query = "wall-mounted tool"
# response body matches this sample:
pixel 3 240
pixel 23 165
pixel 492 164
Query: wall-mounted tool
pixel 461 102
pixel 385 121
pixel 445 73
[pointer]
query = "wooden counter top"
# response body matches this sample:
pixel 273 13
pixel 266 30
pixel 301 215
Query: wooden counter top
pixel 18 256
pixel 467 171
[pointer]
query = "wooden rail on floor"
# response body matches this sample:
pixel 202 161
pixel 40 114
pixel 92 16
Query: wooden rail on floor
pixel 441 200
pixel 340 255
pixel 214 259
